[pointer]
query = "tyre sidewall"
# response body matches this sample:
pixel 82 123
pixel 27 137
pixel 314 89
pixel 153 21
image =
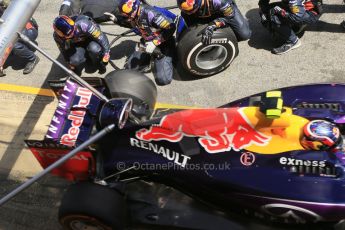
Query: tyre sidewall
pixel 92 202
pixel 188 50
pixel 135 85
pixel 67 221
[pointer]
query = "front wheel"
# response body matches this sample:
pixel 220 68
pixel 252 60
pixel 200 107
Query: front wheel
pixel 205 60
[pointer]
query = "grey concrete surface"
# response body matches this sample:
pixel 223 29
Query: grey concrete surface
pixel 319 59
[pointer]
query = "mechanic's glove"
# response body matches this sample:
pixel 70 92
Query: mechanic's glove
pixel 279 11
pixel 71 67
pixel 111 16
pixel 207 34
pixel 105 59
pixel 150 47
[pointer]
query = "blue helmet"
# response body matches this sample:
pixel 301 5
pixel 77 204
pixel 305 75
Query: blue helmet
pixel 189 6
pixel 128 8
pixel 64 26
pixel 320 135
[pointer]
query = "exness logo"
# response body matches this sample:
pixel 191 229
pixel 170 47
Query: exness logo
pixel 298 162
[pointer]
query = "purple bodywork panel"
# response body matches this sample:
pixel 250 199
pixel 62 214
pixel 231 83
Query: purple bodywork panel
pixel 61 111
pixel 74 116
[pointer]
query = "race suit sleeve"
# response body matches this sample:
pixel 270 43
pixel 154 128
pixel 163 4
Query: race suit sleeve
pixel 296 11
pixel 164 27
pixel 70 7
pixel 62 44
pixel 226 10
pixel 92 30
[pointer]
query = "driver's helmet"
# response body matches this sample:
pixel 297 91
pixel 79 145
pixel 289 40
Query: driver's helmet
pixel 189 6
pixel 128 8
pixel 64 26
pixel 320 135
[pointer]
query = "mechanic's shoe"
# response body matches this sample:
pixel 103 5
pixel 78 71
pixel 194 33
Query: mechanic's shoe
pixel 31 66
pixel 343 24
pixel 102 69
pixel 2 72
pixel 286 47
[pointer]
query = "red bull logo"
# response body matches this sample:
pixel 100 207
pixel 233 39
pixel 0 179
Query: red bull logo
pixel 218 130
pixel 128 7
pixel 77 117
pixel 188 5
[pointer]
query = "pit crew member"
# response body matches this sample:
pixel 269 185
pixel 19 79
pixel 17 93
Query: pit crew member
pixel 20 49
pixel 281 18
pixel 79 39
pixel 217 14
pixel 156 30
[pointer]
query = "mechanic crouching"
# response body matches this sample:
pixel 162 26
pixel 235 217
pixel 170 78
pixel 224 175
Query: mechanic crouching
pixel 80 39
pixel 157 32
pixel 288 17
pixel 217 14
pixel 20 49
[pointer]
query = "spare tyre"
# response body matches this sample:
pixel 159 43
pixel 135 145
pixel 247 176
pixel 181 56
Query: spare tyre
pixel 204 60
pixel 135 85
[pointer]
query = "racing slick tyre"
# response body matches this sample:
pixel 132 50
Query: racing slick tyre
pixel 135 85
pixel 87 205
pixel 205 60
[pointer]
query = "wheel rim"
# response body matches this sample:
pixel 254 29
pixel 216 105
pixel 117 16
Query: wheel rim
pixel 85 225
pixel 211 56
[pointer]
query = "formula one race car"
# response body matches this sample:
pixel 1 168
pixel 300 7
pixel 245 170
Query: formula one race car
pixel 236 159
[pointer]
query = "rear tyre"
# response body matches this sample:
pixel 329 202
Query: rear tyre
pixel 90 206
pixel 135 85
pixel 205 60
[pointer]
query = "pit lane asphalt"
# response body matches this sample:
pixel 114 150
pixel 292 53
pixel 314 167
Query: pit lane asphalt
pixel 24 115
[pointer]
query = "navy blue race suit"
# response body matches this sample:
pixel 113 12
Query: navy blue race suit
pixel 20 49
pixel 221 13
pixel 298 13
pixel 88 41
pixel 158 28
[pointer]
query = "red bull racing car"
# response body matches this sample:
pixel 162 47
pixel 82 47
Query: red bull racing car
pixel 192 168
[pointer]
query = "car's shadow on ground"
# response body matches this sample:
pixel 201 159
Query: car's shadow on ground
pixel 34 208
pixel 29 121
